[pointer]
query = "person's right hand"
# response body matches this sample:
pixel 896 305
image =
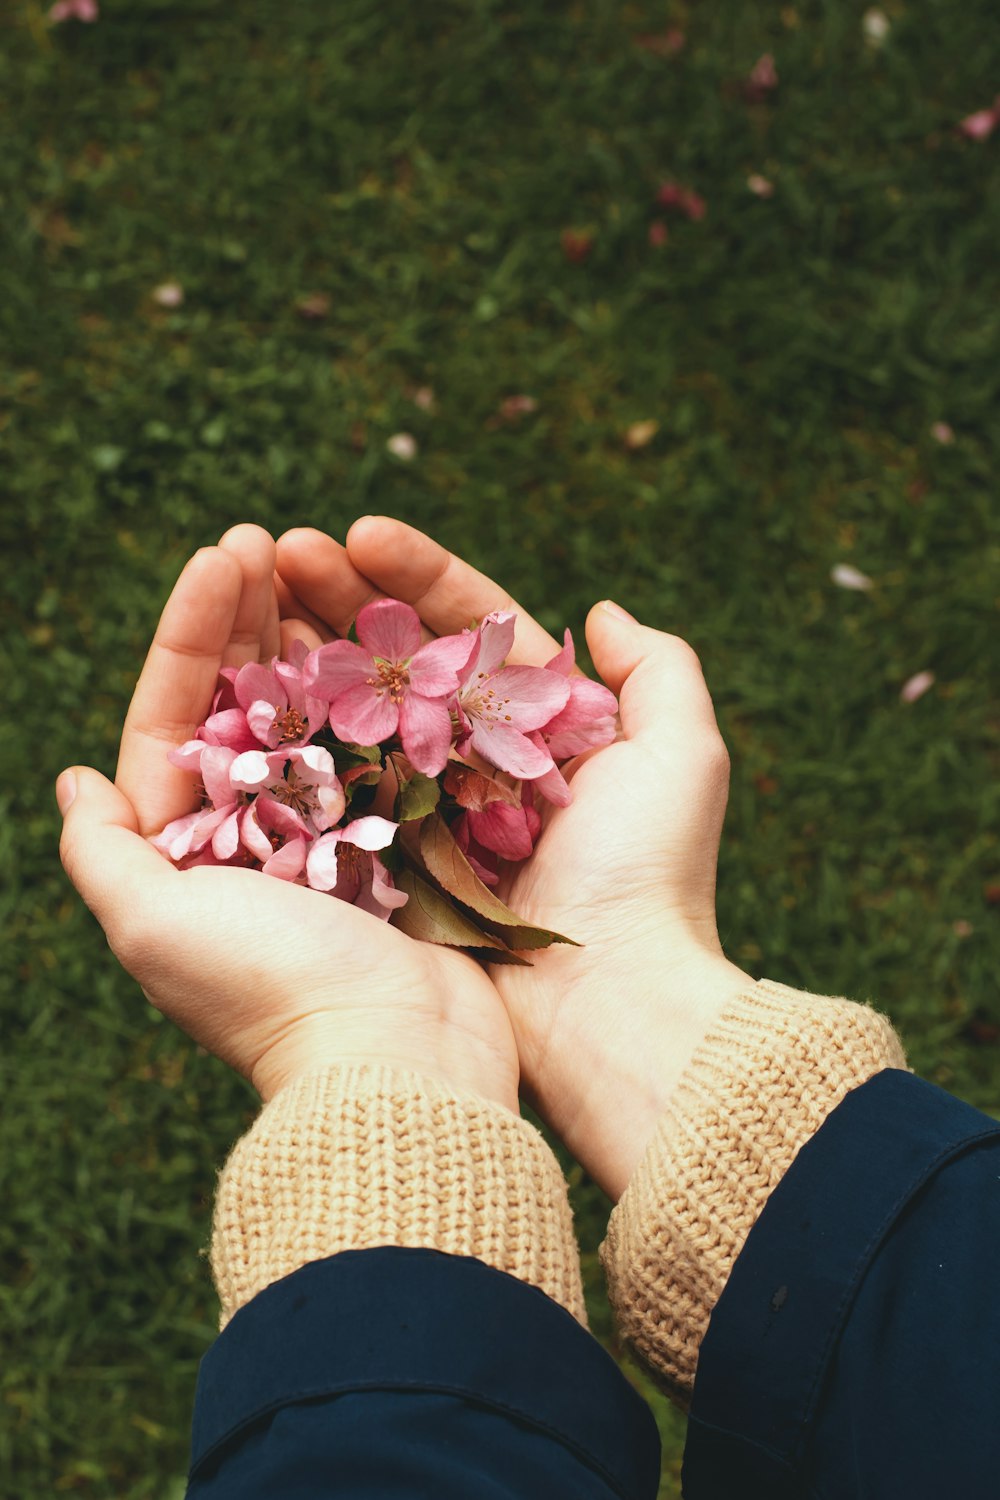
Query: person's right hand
pixel 276 979
pixel 628 869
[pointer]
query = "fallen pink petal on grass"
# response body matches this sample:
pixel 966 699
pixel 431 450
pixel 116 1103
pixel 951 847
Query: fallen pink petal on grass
pixel 943 432
pixel 761 187
pixel 845 576
pixel 981 125
pixel 916 686
pixel 73 10
pixel 762 79
pixel 169 294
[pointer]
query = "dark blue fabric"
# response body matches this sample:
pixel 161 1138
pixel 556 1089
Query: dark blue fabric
pixel 855 1351
pixel 389 1373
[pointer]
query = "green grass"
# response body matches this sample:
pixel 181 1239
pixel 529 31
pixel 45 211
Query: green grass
pixel 417 165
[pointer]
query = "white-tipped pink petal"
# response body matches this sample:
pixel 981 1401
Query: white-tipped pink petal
pixel 226 839
pixel 496 637
pixel 288 861
pixel 321 862
pixel 187 757
pixel 389 629
pixel 174 841
pixel 313 763
pixel 380 898
pixel 364 717
pixel 425 729
pixel 229 727
pixel 261 716
pixel 369 833
pixel 331 804
pixel 253 836
pixel 250 772
pixel 216 764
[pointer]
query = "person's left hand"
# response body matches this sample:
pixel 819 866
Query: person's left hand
pixel 274 978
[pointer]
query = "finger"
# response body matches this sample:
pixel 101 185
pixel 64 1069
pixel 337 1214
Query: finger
pixel 290 607
pixel 319 572
pixel 115 871
pixel 174 693
pixel 446 592
pixel 298 630
pixel 658 678
pixel 254 635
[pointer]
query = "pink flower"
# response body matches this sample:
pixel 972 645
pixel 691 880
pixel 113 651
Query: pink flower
pixel 277 835
pixel 303 779
pixel 587 722
pixel 500 706
pixel 981 125
pixel 391 682
pixel 73 10
pixel 279 710
pixel 916 686
pixel 217 823
pixel 346 862
pixel 482 860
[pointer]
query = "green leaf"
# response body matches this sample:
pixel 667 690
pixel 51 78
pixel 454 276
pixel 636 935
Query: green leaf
pixel 447 865
pixel 432 918
pixel 417 795
pixel 346 757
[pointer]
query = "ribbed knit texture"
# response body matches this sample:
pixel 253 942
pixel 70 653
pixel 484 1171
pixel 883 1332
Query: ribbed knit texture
pixel 760 1085
pixel 353 1157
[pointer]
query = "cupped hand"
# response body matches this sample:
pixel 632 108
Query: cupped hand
pixel 628 869
pixel 274 978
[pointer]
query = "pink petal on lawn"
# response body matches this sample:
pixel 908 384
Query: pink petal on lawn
pixel 981 125
pixel 425 729
pixel 532 695
pixel 335 668
pixel 435 669
pixel 321 862
pixel 363 716
pixel 389 629
pixel 509 750
pixel 502 828
pixel 288 861
pixel 845 576
pixel 370 833
pixel 916 686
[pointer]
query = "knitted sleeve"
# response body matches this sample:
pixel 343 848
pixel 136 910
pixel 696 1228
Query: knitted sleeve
pixel 776 1063
pixel 353 1157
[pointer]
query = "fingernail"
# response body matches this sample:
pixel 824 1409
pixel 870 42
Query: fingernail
pixel 65 791
pixel 619 613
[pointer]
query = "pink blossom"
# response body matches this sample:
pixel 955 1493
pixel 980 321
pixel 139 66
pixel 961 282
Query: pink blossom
pixel 346 863
pixel 981 125
pixel 277 835
pixel 943 432
pixel 216 824
pixel 73 10
pixel 500 706
pixel 278 708
pixel 588 721
pixel 391 682
pixel 303 779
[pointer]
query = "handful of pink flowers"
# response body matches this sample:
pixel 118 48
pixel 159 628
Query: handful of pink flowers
pixel 295 757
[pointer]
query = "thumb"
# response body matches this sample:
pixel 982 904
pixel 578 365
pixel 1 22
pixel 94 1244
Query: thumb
pixel 657 677
pixel 111 865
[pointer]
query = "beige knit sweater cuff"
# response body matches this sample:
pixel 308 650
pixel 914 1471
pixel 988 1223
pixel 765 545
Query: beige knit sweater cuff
pixel 761 1084
pixel 352 1157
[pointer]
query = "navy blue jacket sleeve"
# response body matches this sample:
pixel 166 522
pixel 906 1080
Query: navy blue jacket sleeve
pixel 396 1374
pixel 855 1351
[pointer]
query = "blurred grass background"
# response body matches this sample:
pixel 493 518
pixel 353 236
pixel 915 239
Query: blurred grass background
pixel 367 202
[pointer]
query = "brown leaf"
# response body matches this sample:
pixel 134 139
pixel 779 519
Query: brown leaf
pixel 431 918
pixel 445 863
pixel 472 790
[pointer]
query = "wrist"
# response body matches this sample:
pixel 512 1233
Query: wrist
pixel 656 1013
pixel 434 1049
